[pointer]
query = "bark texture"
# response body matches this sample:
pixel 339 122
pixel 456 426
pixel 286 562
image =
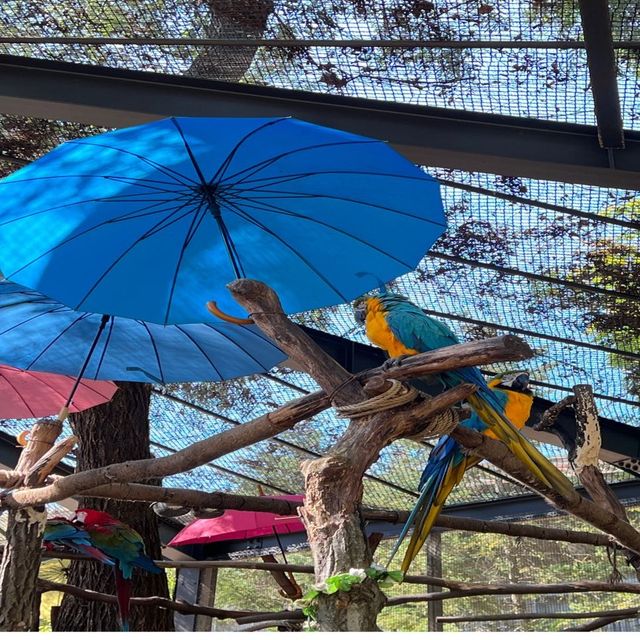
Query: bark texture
pixel 19 569
pixel 333 483
pixel 231 19
pixel 110 433
pixel 21 556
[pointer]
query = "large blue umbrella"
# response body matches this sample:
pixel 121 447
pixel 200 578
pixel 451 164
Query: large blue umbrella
pixel 37 333
pixel 153 221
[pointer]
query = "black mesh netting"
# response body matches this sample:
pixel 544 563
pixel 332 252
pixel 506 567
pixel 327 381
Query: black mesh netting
pixel 552 262
pixel 496 72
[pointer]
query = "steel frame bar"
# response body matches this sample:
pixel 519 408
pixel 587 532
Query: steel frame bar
pixel 425 135
pixel 596 26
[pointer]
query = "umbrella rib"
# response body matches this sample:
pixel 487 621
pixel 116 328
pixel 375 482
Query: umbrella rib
pixel 89 388
pixel 112 323
pixel 23 322
pixel 24 402
pixel 38 379
pixel 66 205
pixel 156 165
pixel 217 178
pixel 238 345
pixel 297 196
pixel 195 164
pixel 263 164
pixel 293 214
pixel 243 214
pixel 288 177
pixel 155 349
pixel 182 330
pixel 193 227
pixel 256 332
pixel 52 342
pixel 124 218
pixel 157 227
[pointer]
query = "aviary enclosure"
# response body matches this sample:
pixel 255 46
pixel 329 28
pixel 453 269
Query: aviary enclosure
pixel 456 450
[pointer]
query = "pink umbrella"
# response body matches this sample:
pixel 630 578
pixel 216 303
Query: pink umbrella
pixel 240 525
pixel 28 394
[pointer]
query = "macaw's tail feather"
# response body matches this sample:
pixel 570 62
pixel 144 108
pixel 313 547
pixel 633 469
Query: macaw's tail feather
pixel 92 552
pixel 123 592
pixel 445 468
pixel 485 404
pixel 431 508
pixel 146 563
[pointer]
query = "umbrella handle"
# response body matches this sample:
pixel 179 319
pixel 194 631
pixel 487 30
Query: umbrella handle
pixel 213 309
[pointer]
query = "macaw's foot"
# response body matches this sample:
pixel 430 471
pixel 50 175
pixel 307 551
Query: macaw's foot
pixel 390 363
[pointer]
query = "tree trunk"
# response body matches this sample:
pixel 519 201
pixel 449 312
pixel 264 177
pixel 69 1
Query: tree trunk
pixel 21 558
pixel 233 19
pixel 19 570
pixel 110 433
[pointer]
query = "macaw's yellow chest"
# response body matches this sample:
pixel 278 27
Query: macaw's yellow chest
pixel 518 408
pixel 379 333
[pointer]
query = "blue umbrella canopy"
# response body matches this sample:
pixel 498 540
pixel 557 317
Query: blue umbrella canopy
pixel 39 334
pixel 151 222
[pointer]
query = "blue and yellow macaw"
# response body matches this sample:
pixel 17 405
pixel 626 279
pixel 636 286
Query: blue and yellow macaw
pixel 448 463
pixel 402 329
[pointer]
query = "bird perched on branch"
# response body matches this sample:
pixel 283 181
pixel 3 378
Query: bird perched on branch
pixel 123 545
pixel 448 463
pixel 60 532
pixel 402 329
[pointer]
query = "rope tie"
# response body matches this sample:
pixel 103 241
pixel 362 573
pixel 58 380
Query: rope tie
pixel 396 396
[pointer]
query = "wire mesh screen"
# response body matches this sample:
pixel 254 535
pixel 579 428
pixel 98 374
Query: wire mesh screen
pixel 470 558
pixel 478 56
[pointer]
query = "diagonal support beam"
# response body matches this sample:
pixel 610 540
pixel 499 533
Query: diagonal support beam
pixel 425 135
pixel 596 25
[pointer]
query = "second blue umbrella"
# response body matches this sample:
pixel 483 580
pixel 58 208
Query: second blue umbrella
pixel 40 334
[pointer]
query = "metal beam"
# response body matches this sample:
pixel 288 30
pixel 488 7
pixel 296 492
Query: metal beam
pixel 310 42
pixel 425 135
pixel 596 26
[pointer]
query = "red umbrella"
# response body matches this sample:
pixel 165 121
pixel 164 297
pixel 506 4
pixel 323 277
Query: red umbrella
pixel 240 525
pixel 28 394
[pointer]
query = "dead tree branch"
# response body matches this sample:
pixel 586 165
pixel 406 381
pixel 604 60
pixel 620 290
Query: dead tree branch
pixel 25 527
pixel 498 454
pixel 475 589
pixel 244 435
pixel 216 500
pixel 564 615
pixel 153 601
pixel 598 624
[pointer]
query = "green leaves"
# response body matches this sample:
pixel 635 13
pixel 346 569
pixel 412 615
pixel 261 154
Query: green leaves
pixel 345 582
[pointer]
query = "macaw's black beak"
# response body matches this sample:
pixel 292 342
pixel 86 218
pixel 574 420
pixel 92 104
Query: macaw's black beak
pixel 521 382
pixel 360 314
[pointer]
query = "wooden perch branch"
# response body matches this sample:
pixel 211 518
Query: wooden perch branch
pixel 21 556
pixel 193 456
pixel 563 615
pixel 572 502
pixel 152 601
pixel 217 500
pixel 244 435
pixel 476 589
pixel 48 462
pixel 598 623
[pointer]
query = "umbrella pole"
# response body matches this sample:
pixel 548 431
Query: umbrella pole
pixel 64 412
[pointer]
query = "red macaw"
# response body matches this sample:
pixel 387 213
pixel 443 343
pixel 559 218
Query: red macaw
pixel 121 543
pixel 60 532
